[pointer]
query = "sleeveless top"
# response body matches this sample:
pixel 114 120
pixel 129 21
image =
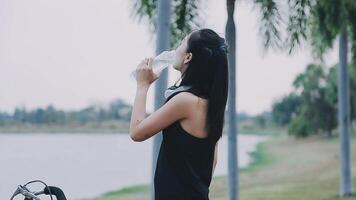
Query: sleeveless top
pixel 184 164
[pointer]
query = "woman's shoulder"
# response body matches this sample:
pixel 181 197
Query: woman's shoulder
pixel 194 105
pixel 190 96
pixel 190 101
pixel 182 97
pixel 187 96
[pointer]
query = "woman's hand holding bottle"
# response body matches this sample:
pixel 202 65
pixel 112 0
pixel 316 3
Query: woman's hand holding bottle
pixel 144 73
pixel 160 62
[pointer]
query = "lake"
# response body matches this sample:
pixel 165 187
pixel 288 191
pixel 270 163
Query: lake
pixel 88 165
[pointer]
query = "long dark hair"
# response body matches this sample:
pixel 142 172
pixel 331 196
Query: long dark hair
pixel 207 73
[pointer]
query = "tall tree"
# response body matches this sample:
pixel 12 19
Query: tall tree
pixel 162 44
pixel 269 22
pixel 320 23
pixel 330 19
pixel 230 32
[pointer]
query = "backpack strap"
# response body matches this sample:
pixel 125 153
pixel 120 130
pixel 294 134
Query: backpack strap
pixel 171 91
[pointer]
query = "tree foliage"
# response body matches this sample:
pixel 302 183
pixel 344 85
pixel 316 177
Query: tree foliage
pixel 312 107
pixel 186 16
pixel 285 109
pixel 115 110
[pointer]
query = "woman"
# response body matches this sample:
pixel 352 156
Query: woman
pixel 191 118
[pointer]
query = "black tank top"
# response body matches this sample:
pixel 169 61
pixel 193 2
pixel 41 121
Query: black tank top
pixel 184 165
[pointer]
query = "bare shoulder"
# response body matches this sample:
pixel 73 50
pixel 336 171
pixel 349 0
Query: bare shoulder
pixel 181 102
pixel 183 97
pixel 192 101
pixel 188 97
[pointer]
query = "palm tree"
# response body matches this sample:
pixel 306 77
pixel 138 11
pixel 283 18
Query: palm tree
pixel 184 17
pixel 162 43
pixel 230 32
pixel 270 19
pixel 320 23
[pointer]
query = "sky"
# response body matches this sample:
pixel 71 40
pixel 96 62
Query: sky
pixel 74 53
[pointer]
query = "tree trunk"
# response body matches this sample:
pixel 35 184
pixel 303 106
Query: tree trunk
pixel 233 169
pixel 162 44
pixel 344 116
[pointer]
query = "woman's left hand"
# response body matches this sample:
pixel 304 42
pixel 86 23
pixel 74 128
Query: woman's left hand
pixel 144 73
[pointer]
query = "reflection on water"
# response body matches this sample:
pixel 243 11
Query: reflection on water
pixel 87 165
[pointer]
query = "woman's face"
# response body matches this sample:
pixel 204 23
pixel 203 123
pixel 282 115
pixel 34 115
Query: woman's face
pixel 182 57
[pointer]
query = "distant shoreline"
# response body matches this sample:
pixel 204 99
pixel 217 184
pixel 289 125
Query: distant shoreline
pixel 114 126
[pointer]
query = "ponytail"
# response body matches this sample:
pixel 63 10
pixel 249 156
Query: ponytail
pixel 207 74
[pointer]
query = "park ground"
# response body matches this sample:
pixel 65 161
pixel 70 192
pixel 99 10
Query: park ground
pixel 283 168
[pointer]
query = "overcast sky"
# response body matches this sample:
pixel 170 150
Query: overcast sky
pixel 72 53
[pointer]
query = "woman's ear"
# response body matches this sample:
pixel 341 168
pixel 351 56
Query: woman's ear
pixel 188 58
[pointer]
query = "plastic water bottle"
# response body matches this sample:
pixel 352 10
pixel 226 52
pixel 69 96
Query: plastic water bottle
pixel 160 62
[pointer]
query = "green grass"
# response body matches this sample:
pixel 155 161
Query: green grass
pixel 259 157
pixel 283 168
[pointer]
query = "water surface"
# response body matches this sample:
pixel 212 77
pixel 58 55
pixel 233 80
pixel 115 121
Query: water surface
pixel 88 165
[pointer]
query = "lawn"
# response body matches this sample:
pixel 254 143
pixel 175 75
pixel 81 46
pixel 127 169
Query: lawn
pixel 284 168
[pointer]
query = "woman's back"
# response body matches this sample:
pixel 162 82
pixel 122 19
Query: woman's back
pixel 195 124
pixel 185 161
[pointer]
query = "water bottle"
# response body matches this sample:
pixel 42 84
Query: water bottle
pixel 160 62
